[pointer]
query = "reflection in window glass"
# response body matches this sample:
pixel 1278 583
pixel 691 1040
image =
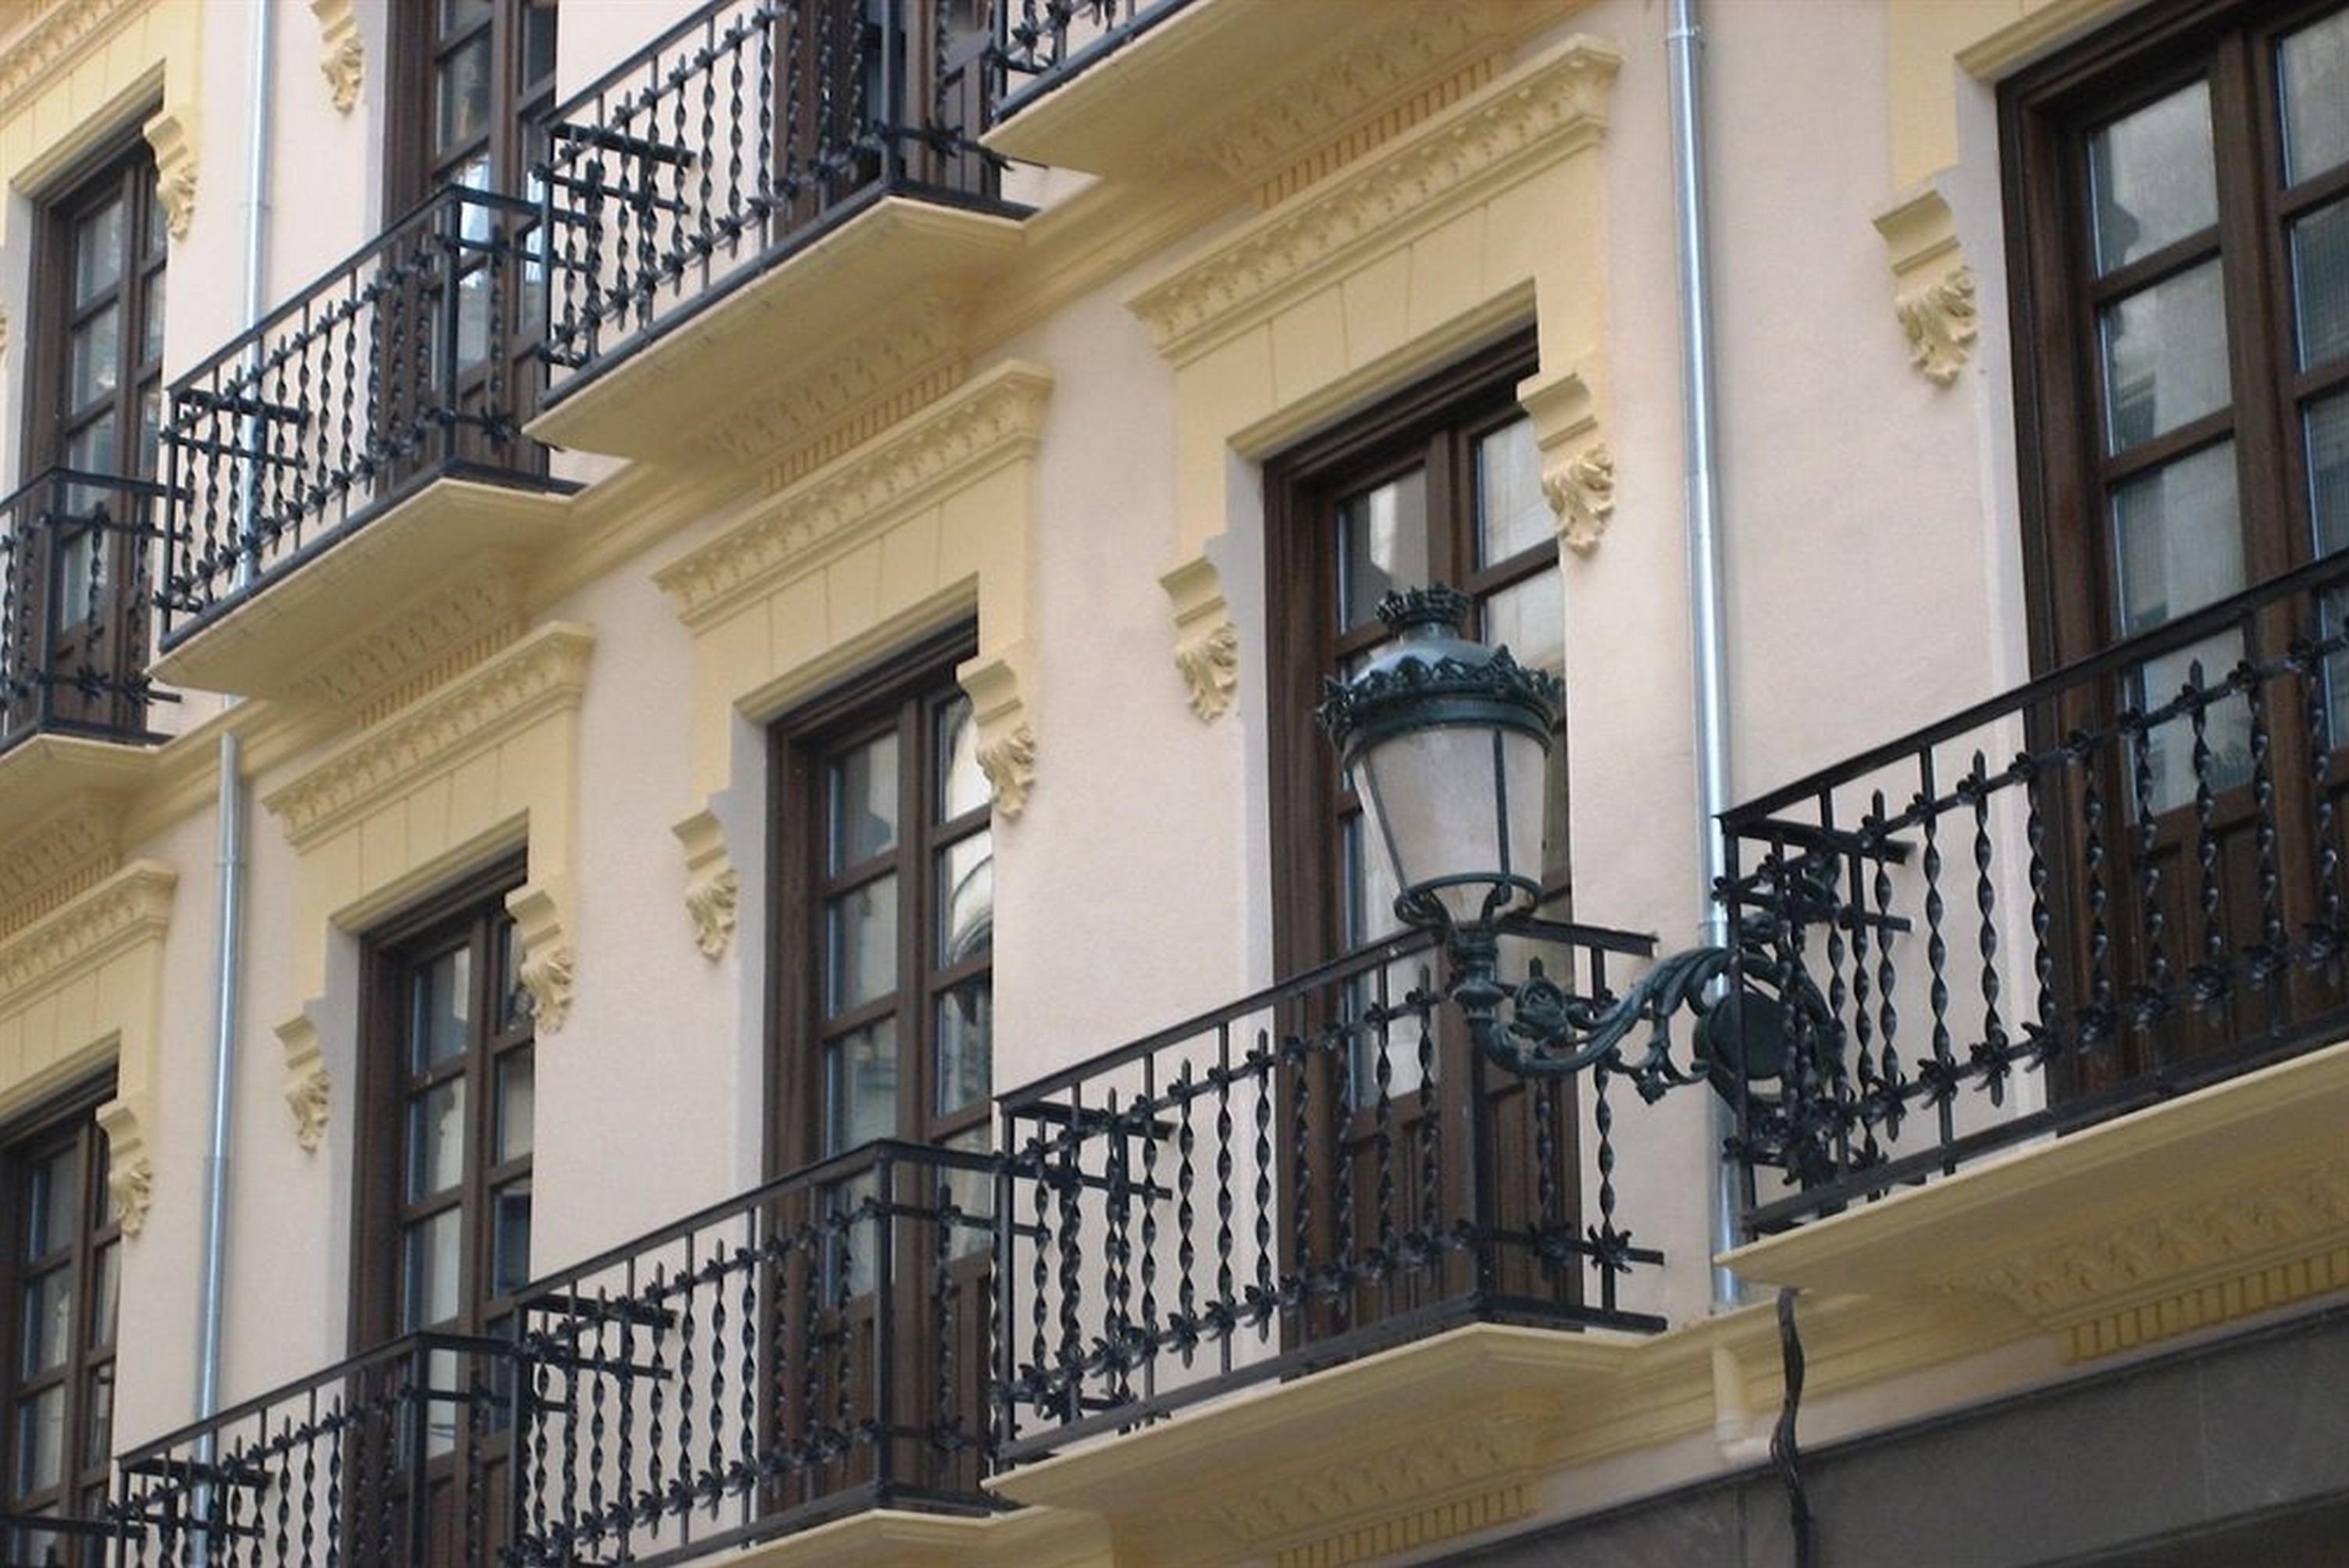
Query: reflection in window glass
pixel 1512 513
pixel 2151 177
pixel 864 803
pixel 2165 353
pixel 2313 73
pixel 1382 545
pixel 2320 285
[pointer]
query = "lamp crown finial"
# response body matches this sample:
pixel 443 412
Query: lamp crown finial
pixel 1438 608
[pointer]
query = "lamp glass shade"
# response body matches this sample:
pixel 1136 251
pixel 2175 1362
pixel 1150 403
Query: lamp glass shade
pixel 1458 810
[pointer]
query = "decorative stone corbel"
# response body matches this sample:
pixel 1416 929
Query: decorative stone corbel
pixel 1933 286
pixel 4 329
pixel 130 1174
pixel 342 57
pixel 173 135
pixel 1578 468
pixel 711 888
pixel 1206 644
pixel 1007 741
pixel 309 1090
pixel 541 918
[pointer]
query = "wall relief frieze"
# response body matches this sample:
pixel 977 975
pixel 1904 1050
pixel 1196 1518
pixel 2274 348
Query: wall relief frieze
pixel 918 350
pixel 127 907
pixel 998 417
pixel 66 852
pixel 56 38
pixel 432 639
pixel 548 671
pixel 1548 112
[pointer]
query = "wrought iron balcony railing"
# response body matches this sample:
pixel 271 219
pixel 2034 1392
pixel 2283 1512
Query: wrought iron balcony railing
pixel 409 361
pixel 400 1456
pixel 1044 43
pixel 735 139
pixel 815 1348
pixel 46 1540
pixel 77 553
pixel 2120 882
pixel 1312 1173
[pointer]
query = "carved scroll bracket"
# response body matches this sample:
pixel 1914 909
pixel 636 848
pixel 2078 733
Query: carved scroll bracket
pixel 997 685
pixel 1932 287
pixel 543 920
pixel 1206 643
pixel 1577 467
pixel 712 890
pixel 173 135
pixel 130 1174
pixel 309 1088
pixel 342 56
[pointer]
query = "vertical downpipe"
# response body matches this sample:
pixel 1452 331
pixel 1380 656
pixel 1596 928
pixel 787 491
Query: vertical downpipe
pixel 1682 41
pixel 234 809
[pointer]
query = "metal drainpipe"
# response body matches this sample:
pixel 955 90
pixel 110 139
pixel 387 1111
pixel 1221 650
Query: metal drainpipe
pixel 1684 39
pixel 232 791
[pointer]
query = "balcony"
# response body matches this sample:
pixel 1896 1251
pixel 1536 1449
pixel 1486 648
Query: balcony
pixel 78 555
pixel 408 363
pixel 768 184
pixel 2054 986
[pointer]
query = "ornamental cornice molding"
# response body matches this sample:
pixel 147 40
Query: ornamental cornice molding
pixel 544 673
pixel 68 850
pixel 1391 59
pixel 53 41
pixel 918 347
pixel 429 641
pixel 131 906
pixel 994 420
pixel 1547 110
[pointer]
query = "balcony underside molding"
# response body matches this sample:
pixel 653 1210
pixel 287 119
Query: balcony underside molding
pixel 1306 81
pixel 1452 1435
pixel 2228 1202
pixel 61 806
pixel 1031 1538
pixel 867 319
pixel 399 605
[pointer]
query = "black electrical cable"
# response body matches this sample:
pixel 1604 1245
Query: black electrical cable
pixel 1784 1453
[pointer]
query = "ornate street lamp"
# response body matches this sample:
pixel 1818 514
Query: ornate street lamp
pixel 1446 741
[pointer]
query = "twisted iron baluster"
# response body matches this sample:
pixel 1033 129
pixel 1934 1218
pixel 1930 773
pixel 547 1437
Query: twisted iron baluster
pixel 1146 1118
pixel 2275 949
pixel 1937 948
pixel 1294 1050
pixel 1186 1252
pixel 1224 1238
pixel 1261 1068
pixel 2210 980
pixel 1994 1040
pixel 2150 998
pixel 2326 940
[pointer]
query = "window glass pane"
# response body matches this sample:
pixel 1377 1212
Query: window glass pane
pixel 40 1439
pixel 965 898
pixel 2176 539
pixel 517 1103
pixel 465 93
pixel 472 318
pixel 97 1417
pixel 151 344
pixel 509 1237
pixel 1370 884
pixel 91 448
pixel 429 1277
pixel 106 1299
pixel 2320 285
pixel 2328 471
pixel 440 1008
pixel 513 1001
pixel 436 1139
pixel 861 936
pixel 962 783
pixel 864 802
pixel 1512 514
pixel 2151 178
pixel 2165 351
pixel 966 1049
pixel 1528 618
pixel 860 1072
pixel 97 252
pixel 45 1330
pixel 95 356
pixel 78 569
pixel 109 1210
pixel 1381 545
pixel 151 431
pixel 2312 71
pixel 537 40
pixel 973 1193
pixel 50 1206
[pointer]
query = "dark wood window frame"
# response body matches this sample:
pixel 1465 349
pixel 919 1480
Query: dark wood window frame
pixel 471 912
pixel 903 694
pixel 425 40
pixel 1436 421
pixel 66 1125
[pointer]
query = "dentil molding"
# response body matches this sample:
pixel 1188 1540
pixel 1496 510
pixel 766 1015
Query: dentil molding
pixel 1547 112
pixel 70 849
pixel 342 56
pixel 60 34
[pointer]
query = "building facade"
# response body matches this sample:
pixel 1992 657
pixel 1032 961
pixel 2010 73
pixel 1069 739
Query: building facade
pixel 766 568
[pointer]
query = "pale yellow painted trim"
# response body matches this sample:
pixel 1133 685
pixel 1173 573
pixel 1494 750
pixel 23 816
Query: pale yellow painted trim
pixel 486 763
pixel 2226 1202
pixel 897 536
pixel 80 985
pixel 2042 27
pixel 342 56
pixel 80 71
pixel 61 809
pixel 1031 1538
pixel 1476 219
